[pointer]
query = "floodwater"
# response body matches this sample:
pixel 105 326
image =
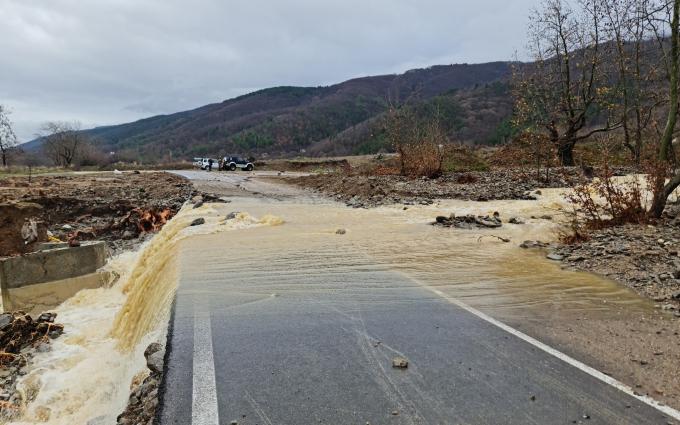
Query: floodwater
pixel 87 374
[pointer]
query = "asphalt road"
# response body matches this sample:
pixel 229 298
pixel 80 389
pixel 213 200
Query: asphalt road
pixel 258 338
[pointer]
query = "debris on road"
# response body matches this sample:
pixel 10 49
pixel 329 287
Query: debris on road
pixel 197 222
pixel 469 221
pixel 533 244
pixel 399 363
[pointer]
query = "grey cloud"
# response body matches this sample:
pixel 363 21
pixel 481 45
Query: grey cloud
pixel 113 61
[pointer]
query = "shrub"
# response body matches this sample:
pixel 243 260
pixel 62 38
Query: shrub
pixel 461 158
pixel 418 144
pixel 608 202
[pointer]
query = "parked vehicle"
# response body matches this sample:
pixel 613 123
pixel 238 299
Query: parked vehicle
pixel 203 163
pixel 233 162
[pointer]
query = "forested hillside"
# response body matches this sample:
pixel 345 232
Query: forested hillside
pixel 339 119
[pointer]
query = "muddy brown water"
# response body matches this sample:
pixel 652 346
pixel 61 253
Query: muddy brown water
pixel 88 372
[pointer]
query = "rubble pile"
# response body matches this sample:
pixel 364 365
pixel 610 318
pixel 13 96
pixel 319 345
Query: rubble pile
pixel 644 258
pixel 20 338
pixel 143 402
pixel 469 221
pixel 365 191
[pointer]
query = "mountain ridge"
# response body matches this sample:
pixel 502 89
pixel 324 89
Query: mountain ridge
pixel 287 120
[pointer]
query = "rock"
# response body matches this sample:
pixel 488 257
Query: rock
pixel 516 220
pixel 155 356
pixel 340 232
pixel 129 234
pixel 199 221
pixel 399 363
pixel 5 320
pixel 533 244
pixel 546 217
pixel 469 221
pixel 198 204
pixel 47 317
pixel 232 215
pixel 155 362
pixel 554 257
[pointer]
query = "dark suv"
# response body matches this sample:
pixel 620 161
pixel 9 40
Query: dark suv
pixel 234 162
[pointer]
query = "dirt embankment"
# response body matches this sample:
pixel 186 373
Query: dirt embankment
pixel 120 208
pixel 645 258
pixel 359 190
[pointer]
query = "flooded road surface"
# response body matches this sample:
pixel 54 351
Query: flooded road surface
pixel 280 319
pixel 299 323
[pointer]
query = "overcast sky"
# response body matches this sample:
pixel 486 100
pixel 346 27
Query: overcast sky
pixel 112 61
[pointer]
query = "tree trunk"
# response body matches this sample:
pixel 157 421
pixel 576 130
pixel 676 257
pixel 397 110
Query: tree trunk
pixel 565 152
pixel 661 191
pixel 4 158
pixel 661 196
pixel 667 137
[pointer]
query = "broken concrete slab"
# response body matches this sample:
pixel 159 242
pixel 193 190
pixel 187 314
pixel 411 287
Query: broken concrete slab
pixel 52 264
pixel 37 298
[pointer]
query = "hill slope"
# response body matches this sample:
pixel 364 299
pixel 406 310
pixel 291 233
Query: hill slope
pixel 323 120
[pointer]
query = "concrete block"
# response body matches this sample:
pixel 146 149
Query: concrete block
pixel 53 264
pixel 41 297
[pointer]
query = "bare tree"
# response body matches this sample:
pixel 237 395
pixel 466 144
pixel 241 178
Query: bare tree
pixel 63 141
pixel 635 68
pixel 563 92
pixel 662 188
pixel 8 140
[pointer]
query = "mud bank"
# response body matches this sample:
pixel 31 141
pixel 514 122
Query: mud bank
pixel 120 208
pixel 357 190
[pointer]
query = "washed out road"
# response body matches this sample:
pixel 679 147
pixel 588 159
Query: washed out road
pixel 304 332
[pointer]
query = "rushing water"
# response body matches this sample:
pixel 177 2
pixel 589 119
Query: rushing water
pixel 88 372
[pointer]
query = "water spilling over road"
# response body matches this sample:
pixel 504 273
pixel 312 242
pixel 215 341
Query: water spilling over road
pixel 498 277
pixel 87 373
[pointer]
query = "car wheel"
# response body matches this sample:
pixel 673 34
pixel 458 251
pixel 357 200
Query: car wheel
pixel 232 167
pixel 249 167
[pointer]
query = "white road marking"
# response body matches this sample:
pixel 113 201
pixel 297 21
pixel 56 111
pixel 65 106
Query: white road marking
pixel 204 409
pixel 560 355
